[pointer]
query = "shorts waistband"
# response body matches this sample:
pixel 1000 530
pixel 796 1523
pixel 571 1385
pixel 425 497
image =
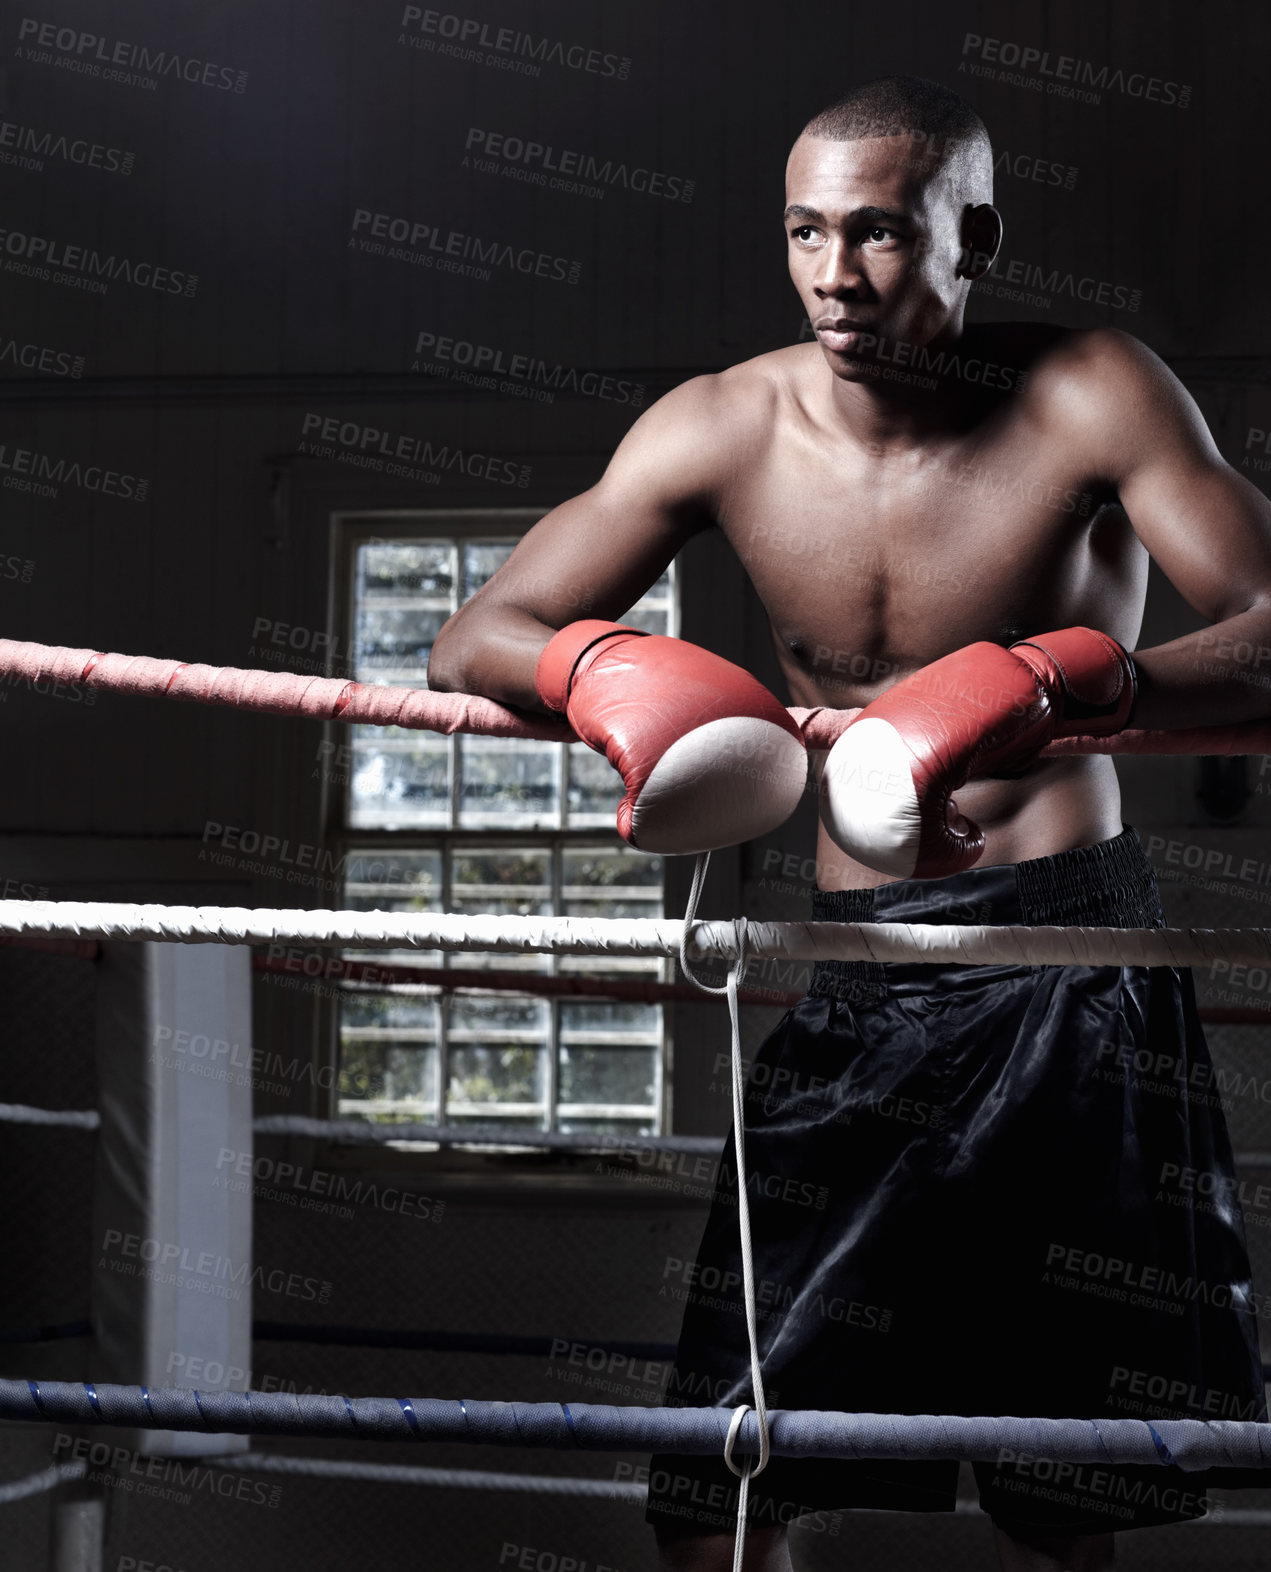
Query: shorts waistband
pixel 1110 884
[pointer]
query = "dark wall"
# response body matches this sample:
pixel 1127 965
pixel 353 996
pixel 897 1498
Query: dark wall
pixel 193 397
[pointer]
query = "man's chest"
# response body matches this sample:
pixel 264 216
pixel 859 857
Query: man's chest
pixel 869 570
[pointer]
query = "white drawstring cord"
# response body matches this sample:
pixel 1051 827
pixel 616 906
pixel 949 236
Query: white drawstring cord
pixel 730 987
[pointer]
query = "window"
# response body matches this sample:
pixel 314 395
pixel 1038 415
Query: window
pixel 485 825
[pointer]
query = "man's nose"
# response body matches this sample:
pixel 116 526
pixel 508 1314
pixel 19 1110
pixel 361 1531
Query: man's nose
pixel 839 273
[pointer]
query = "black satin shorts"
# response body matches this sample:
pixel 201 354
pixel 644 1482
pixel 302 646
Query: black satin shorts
pixel 969 1194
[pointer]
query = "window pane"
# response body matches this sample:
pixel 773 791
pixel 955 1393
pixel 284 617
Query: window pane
pixel 602 867
pixel 399 778
pixel 505 784
pixel 503 880
pixel 595 788
pixel 480 560
pixel 367 1013
pixel 503 1053
pixel 611 883
pixel 393 881
pixel 573 1124
pixel 493 1074
pixel 594 1019
pixel 385 1075
pixel 406 568
pixel 394 642
pixel 652 611
pixel 608 1076
pixel 494 1015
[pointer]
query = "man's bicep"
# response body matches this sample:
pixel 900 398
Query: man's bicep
pixel 596 554
pixel 1206 527
pixel 1209 530
pixel 593 556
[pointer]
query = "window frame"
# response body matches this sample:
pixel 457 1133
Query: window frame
pixel 351 527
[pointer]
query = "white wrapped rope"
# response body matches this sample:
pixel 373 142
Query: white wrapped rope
pixel 807 941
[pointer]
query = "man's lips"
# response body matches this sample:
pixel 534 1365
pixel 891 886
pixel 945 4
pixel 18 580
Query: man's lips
pixel 839 333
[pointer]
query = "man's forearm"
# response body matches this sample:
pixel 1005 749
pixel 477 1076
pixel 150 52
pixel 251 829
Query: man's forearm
pixel 1216 677
pixel 491 652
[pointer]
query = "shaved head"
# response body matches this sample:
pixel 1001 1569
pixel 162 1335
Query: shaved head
pixel 945 132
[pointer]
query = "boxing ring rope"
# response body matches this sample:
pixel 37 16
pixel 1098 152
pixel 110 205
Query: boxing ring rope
pixel 1190 1444
pixel 40 1483
pixel 430 980
pixel 439 1478
pixel 754 1432
pixel 928 944
pixel 418 709
pixel 73 1118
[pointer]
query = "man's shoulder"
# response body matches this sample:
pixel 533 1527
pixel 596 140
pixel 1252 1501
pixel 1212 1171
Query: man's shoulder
pixel 1060 358
pixel 750 393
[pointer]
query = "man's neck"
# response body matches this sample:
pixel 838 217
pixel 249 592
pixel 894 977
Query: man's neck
pixel 894 408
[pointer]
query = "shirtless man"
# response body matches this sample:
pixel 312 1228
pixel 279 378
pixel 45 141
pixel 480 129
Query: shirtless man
pixel 881 517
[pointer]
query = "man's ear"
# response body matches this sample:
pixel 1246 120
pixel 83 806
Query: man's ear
pixel 981 240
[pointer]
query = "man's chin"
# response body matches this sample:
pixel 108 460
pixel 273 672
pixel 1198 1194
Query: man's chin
pixel 850 367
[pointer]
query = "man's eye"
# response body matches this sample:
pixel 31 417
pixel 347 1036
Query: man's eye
pixel 803 232
pixel 879 233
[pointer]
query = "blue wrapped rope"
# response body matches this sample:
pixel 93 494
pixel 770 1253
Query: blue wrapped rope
pixel 1188 1443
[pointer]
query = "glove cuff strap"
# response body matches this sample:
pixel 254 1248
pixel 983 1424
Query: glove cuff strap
pixel 1092 678
pixel 560 657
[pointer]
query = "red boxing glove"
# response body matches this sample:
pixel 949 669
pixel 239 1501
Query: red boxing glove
pixel 887 787
pixel 708 756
